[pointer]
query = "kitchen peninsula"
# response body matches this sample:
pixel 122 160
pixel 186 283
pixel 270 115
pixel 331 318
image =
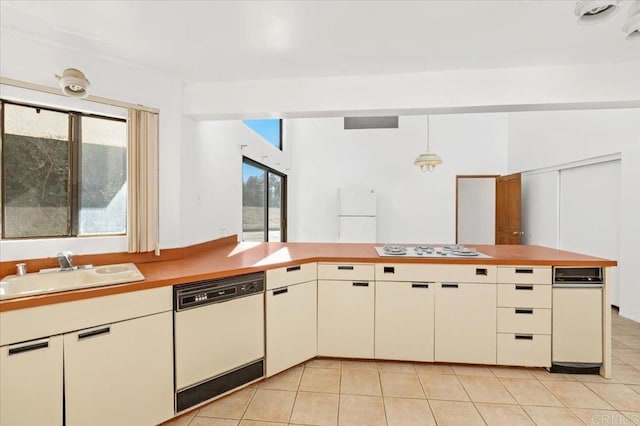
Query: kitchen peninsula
pixel 320 299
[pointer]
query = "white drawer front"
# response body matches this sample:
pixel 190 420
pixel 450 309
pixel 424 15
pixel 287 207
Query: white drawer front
pixel 435 273
pixel 525 350
pixel 346 271
pixel 282 277
pixel 530 295
pixel 524 274
pixel 524 320
pixel 48 320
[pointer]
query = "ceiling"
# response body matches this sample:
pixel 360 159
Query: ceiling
pixel 255 40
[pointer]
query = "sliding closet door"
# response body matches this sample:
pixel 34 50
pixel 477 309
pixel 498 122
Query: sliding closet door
pixel 590 213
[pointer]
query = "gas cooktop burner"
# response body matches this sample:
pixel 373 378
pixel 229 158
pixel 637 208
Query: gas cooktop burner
pixel 395 249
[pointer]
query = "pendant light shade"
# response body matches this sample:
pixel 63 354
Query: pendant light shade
pixel 428 160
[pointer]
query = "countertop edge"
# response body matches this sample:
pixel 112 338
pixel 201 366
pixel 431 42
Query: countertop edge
pixel 151 283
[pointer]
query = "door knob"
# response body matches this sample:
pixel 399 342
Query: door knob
pixel 518 233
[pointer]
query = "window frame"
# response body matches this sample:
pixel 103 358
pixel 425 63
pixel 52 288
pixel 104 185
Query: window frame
pixel 283 199
pixel 74 173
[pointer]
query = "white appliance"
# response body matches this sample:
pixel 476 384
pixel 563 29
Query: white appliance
pixel 356 215
pixel 577 320
pixel 219 336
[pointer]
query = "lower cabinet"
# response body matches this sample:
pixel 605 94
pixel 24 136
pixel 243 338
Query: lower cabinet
pixel 120 373
pixel 404 320
pixel 291 324
pixel 346 318
pixel 465 323
pixel 31 383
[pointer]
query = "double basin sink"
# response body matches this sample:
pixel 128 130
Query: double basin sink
pixel 53 281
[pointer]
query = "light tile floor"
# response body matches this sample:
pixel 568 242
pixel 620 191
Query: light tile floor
pixel 326 392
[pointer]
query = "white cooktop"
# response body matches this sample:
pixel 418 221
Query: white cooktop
pixel 438 252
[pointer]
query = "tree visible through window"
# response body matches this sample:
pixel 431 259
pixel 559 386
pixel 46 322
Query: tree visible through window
pixel 263 203
pixel 63 173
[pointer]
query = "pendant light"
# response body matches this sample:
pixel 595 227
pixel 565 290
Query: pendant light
pixel 428 160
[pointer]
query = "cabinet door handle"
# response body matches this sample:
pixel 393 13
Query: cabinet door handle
pixel 482 271
pixel 360 284
pixel 345 268
pixel 524 311
pixel 92 333
pixel 280 291
pixel 389 270
pixel 449 285
pixel 29 347
pixel 293 268
pixel 524 287
pixel 523 337
pixel 524 270
pixel 420 285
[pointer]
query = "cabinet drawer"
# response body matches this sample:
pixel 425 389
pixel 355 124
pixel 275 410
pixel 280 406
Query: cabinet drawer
pixel 529 295
pixel 524 275
pixel 282 277
pixel 48 320
pixel 531 350
pixel 435 273
pixel 524 320
pixel 346 271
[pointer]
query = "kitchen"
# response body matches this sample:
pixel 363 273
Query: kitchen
pixel 493 142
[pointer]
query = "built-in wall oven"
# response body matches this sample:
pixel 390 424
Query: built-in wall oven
pixel 577 320
pixel 219 336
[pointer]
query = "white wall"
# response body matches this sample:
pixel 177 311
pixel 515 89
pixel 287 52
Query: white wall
pixel 538 140
pixel 540 208
pixel 211 186
pixel 413 206
pixel 36 61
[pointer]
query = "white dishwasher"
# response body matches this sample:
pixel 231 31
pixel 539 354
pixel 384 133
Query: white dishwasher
pixel 577 320
pixel 219 336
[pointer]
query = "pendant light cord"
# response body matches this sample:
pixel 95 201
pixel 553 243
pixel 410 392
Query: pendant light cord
pixel 428 126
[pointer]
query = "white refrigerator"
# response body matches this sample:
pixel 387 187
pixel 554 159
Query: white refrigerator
pixel 356 215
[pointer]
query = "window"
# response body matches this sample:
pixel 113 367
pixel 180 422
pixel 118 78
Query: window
pixel 64 173
pixel 270 129
pixel 263 203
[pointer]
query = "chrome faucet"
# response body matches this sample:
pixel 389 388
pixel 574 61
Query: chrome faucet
pixel 64 260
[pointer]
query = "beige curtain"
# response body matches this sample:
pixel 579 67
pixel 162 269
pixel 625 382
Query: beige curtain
pixel 142 212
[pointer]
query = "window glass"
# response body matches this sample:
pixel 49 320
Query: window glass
pixel 253 205
pixel 35 157
pixel 270 129
pixel 103 187
pixel 263 203
pixel 64 173
pixel 275 207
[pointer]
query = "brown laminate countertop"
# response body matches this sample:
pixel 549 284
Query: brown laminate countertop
pixel 241 258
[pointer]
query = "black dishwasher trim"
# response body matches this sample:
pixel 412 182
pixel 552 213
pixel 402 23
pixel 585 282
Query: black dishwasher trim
pixel 211 388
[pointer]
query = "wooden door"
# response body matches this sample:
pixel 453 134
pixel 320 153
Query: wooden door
pixel 508 209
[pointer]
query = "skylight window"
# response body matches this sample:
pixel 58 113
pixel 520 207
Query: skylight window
pixel 269 128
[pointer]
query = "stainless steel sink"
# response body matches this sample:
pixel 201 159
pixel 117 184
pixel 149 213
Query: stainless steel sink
pixel 13 286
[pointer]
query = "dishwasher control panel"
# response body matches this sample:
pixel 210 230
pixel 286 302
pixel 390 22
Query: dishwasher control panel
pixel 200 293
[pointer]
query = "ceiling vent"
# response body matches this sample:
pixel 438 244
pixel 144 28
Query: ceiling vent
pixel 351 123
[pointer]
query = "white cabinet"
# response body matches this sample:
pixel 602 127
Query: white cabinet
pixel 345 318
pixel 31 383
pixel 465 323
pixel 291 325
pixel 404 320
pixel 524 316
pixel 120 373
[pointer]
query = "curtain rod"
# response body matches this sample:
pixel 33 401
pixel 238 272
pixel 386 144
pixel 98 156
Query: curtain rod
pixel 91 98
